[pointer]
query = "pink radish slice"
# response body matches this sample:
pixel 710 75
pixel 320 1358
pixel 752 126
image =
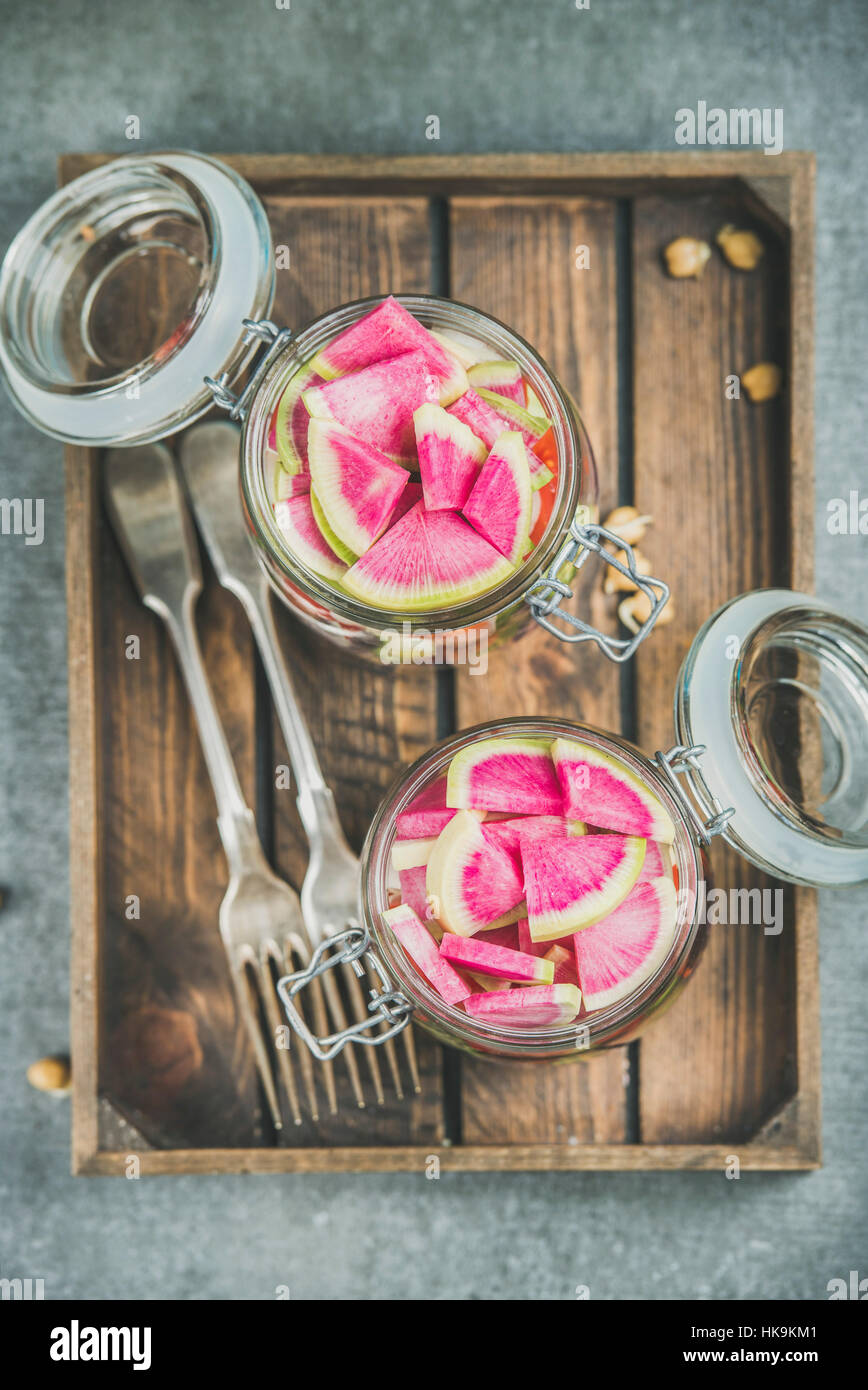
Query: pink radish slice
pixel 357 486
pixel 505 774
pixel 297 523
pixel 500 505
pixel 656 865
pixel 618 954
pixel 509 833
pixel 387 331
pixel 474 884
pixel 377 403
pixel 488 425
pixel 421 947
pixel 533 1006
pixel 414 892
pixel 450 457
pixel 409 497
pixel 478 954
pixel 502 378
pixel 564 964
pixel 574 882
pixel 603 791
pixel 426 814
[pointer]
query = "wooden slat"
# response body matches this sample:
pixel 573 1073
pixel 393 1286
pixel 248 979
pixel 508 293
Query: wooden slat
pixel 366 719
pixel 713 473
pixel 515 258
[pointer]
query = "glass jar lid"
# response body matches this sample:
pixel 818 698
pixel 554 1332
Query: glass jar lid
pixel 125 290
pixel 775 689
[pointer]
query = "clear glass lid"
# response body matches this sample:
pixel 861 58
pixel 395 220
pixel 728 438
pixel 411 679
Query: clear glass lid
pixel 775 686
pixel 125 290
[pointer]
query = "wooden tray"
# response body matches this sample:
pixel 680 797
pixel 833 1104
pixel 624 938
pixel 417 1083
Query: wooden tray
pixel 161 1067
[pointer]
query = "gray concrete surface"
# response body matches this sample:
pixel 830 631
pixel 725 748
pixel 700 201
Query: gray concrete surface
pixel 356 75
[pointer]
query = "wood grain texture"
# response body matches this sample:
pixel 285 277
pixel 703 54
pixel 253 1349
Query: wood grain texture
pixel 515 258
pixel 366 720
pixel 713 472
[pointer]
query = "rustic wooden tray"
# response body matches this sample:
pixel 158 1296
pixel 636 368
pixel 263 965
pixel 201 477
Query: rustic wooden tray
pixel 161 1066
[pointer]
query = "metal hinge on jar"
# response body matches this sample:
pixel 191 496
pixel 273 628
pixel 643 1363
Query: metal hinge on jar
pixel 681 759
pixel 273 340
pixel 386 1005
pixel 547 593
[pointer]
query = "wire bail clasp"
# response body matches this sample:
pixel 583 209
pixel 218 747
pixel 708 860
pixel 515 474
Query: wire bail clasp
pixel 386 1005
pixel 273 340
pixel 682 759
pixel 547 593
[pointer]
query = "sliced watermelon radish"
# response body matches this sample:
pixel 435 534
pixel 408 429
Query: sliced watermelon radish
pixel 564 963
pixel 289 484
pixel 411 854
pixel 535 1006
pixel 480 954
pixel 414 892
pixel 421 947
pixel 450 457
pixel 409 497
pixel 574 882
pixel 297 523
pixel 488 983
pixel 474 884
pixel 427 559
pixel 499 507
pixel 505 774
pixel 604 792
pixel 536 948
pixel 377 404
pixel 426 814
pixel 387 331
pixel 618 954
pixel 468 350
pixel 657 862
pixel 488 425
pixel 501 378
pixel 334 542
pixel 357 486
pixel 291 421
pixel 504 936
pixel 508 833
pixel 530 427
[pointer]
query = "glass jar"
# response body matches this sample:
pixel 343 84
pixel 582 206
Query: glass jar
pixel 184 235
pixel 771 707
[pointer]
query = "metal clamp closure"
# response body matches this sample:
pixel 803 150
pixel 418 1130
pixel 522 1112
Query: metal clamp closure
pixel 386 1005
pixel 274 340
pixel 547 593
pixel 682 759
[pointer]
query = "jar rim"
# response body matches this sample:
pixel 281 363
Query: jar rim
pixel 764 829
pixel 166 389
pixel 604 1026
pixel 572 447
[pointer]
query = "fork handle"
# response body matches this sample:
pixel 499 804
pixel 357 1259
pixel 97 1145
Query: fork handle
pixel 235 820
pixel 316 804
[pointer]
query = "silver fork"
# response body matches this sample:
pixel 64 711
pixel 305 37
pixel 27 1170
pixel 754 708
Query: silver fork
pixel 329 893
pixel 261 921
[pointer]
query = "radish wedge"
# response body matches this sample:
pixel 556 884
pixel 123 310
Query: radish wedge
pixel 603 791
pixel 572 883
pixel 298 526
pixel 505 774
pixel 620 953
pixel 412 854
pixel 474 884
pixel 421 947
pixel 476 953
pixel 535 1006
